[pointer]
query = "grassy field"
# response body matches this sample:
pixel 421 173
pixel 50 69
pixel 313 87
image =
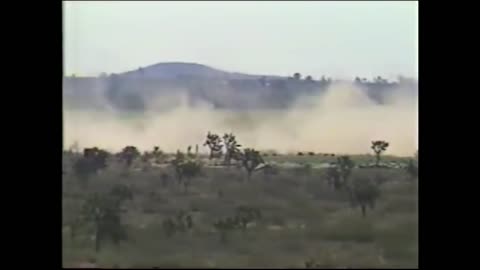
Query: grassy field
pixel 302 219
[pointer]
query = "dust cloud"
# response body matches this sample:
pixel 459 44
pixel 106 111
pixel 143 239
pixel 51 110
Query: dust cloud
pixel 342 120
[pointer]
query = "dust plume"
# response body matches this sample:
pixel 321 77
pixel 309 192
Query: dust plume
pixel 341 120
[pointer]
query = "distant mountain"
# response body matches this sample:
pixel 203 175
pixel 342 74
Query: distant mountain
pixel 183 70
pixel 166 82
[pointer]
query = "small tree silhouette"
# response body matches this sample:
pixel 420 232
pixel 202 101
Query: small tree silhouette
pixel 231 148
pixel 378 148
pixel 129 154
pixel 365 193
pixel 250 160
pixel 297 76
pixel 191 169
pixel 345 167
pixel 185 169
pixel 104 213
pixel 92 161
pixel 214 142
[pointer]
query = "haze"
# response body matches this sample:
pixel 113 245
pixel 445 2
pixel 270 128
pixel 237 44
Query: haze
pixel 339 39
pixel 336 39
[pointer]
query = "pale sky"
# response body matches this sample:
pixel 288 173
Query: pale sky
pixel 339 39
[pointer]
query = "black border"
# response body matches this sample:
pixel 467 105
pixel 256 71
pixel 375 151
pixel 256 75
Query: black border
pixel 32 33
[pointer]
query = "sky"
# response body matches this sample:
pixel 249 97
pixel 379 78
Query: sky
pixel 339 39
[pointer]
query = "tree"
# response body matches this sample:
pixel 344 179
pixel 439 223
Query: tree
pixel 129 154
pixel 297 76
pixel 365 194
pixel 378 148
pixel 345 167
pixel 232 150
pixel 191 169
pixel 92 161
pixel 309 78
pixel 105 214
pixel 214 142
pixel 185 170
pixel 157 154
pixel 250 160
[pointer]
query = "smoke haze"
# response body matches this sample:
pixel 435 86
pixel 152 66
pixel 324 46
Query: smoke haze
pixel 341 120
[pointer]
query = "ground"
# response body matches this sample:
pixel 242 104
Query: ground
pixel 302 219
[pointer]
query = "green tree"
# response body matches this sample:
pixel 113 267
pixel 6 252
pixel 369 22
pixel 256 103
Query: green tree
pixel 378 148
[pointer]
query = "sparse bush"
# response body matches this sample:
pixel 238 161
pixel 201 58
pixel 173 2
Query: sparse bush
pixel 365 193
pixel 129 154
pixel 250 160
pixel 104 213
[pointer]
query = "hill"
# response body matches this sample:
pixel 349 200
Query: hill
pixel 132 90
pixel 185 70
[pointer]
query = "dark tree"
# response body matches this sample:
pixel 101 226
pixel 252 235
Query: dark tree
pixel 232 150
pixel 378 148
pixel 365 194
pixel 333 178
pixel 297 76
pixel 250 160
pixel 92 161
pixel 214 142
pixel 129 154
pixel 104 213
pixel 185 169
